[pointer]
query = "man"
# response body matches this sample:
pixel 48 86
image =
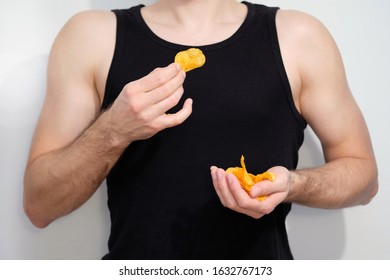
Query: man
pixel 117 107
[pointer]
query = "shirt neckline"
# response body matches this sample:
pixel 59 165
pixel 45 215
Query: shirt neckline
pixel 175 46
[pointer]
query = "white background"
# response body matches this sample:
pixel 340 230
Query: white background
pixel 27 30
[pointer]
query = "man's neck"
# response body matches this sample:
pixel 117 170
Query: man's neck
pixel 194 22
pixel 195 12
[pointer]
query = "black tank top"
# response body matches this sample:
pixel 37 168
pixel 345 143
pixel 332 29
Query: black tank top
pixel 160 194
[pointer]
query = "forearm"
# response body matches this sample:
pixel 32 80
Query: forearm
pixel 340 183
pixel 60 181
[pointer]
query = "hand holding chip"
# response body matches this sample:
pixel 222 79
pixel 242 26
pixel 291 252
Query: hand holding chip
pixel 255 199
pixel 139 112
pixel 247 180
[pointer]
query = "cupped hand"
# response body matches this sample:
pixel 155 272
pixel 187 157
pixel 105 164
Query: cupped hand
pixel 234 197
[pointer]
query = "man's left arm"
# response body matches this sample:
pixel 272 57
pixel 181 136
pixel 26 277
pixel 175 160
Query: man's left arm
pixel 349 175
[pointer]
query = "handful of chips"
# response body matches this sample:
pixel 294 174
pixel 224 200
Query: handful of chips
pixel 247 180
pixel 190 59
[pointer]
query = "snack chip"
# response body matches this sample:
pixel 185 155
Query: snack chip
pixel 190 59
pixel 247 180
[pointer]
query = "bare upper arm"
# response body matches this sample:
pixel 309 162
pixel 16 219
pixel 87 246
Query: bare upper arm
pixel 75 87
pixel 320 88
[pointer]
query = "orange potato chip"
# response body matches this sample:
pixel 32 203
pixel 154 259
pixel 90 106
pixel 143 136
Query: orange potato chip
pixel 190 59
pixel 247 180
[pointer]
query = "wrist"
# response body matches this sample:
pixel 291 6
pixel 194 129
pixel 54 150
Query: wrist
pixel 296 183
pixel 106 129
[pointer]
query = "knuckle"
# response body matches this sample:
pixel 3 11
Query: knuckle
pixel 266 211
pixel 130 99
pixel 257 216
pixel 159 78
pixel 224 204
pixel 129 89
pixel 174 99
pixel 157 69
pixel 177 119
pixel 154 126
pixel 136 108
pixel 172 121
pixel 242 204
pixel 231 205
pixel 143 117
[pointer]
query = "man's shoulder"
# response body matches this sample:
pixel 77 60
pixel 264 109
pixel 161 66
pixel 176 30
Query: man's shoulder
pixel 305 36
pixel 86 35
pixel 300 24
pixel 84 47
pixel 90 23
pixel 309 50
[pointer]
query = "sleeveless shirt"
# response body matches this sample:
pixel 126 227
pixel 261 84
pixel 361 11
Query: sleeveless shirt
pixel 160 195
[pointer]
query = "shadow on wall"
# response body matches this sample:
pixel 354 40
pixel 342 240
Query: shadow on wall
pixel 315 233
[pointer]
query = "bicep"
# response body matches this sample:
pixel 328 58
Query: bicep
pixel 326 101
pixel 64 116
pixel 71 101
pixel 339 124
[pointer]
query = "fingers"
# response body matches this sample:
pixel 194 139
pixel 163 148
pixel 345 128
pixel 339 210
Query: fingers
pixel 244 203
pixel 263 188
pixel 280 185
pixel 171 120
pixel 139 112
pixel 234 197
pixel 158 92
pixel 221 187
pixel 169 89
pixel 158 77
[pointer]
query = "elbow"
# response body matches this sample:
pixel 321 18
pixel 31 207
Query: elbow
pixel 34 216
pixel 33 207
pixel 372 192
pixel 372 188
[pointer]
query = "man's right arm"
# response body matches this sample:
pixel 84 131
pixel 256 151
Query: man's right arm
pixel 75 145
